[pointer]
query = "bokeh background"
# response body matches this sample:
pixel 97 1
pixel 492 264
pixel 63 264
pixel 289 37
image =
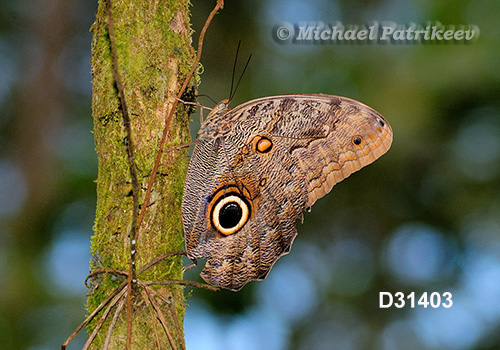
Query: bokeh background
pixel 423 218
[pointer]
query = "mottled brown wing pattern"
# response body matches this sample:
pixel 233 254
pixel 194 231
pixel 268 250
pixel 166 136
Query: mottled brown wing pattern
pixel 255 168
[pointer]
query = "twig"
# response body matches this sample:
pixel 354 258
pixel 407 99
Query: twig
pixel 159 259
pixel 172 312
pixel 133 172
pixel 153 317
pixel 102 319
pixel 185 283
pixel 159 315
pixel 92 315
pixel 101 271
pixel 113 323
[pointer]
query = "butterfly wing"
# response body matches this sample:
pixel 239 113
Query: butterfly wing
pixel 255 169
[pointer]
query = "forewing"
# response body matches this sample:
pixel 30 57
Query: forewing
pixel 328 137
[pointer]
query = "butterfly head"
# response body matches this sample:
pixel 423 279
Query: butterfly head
pixel 222 105
pixel 219 110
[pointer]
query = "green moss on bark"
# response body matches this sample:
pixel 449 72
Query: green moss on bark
pixel 154 55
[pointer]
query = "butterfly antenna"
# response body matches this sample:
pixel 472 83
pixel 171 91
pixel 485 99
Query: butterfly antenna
pixel 234 69
pixel 239 80
pixel 205 95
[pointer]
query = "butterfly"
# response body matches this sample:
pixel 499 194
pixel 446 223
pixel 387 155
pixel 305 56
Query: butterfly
pixel 255 169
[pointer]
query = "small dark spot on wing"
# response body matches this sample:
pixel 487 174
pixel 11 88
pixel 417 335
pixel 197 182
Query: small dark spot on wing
pixel 253 111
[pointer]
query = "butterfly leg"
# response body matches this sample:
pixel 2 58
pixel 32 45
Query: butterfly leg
pixel 193 264
pixel 202 107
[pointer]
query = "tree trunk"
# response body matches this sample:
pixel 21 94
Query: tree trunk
pixel 154 54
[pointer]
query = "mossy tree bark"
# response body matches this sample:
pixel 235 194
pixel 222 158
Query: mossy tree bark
pixel 154 54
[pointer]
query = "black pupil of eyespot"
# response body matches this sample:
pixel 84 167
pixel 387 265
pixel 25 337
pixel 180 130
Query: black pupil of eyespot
pixel 230 215
pixel 357 140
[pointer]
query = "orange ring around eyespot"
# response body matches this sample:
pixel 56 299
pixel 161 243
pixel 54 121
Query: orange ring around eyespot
pixel 357 140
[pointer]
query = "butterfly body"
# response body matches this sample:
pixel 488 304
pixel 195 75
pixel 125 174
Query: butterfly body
pixel 256 167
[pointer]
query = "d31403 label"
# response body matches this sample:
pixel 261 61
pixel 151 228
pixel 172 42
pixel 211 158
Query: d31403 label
pixel 400 300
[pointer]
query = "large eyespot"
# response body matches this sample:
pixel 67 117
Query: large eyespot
pixel 230 214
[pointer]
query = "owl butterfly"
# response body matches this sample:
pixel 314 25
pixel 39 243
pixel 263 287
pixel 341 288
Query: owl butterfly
pixel 256 167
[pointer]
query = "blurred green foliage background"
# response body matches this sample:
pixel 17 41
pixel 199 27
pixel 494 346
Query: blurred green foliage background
pixel 423 218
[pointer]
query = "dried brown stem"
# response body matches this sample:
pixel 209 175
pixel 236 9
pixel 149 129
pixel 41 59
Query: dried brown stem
pixel 153 317
pixel 93 314
pixel 101 271
pixel 118 310
pixel 186 283
pixel 159 315
pixel 159 259
pixel 102 319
